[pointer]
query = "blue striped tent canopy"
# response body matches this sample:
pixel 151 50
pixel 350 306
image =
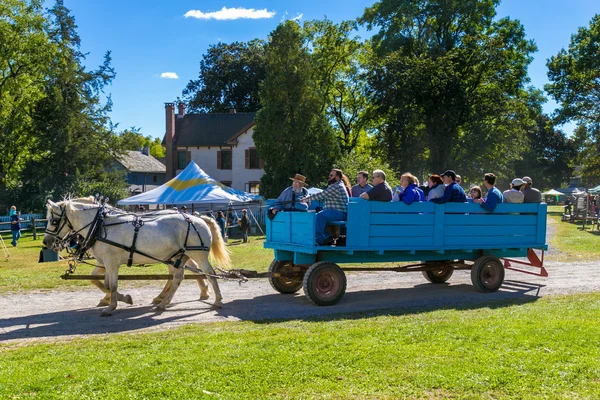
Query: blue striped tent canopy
pixel 191 186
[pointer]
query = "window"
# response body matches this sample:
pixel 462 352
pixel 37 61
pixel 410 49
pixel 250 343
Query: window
pixel 154 178
pixel 226 183
pixel 253 161
pixel 224 159
pixel 181 159
pixel 254 187
pixel 134 178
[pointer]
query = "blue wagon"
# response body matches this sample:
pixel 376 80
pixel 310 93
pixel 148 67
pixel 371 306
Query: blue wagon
pixel 438 238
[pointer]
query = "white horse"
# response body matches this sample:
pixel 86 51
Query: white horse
pixel 165 237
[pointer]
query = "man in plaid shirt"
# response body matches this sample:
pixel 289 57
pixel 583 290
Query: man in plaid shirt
pixel 453 192
pixel 335 207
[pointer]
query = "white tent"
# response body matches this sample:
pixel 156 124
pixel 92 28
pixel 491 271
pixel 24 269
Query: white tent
pixel 553 192
pixel 191 186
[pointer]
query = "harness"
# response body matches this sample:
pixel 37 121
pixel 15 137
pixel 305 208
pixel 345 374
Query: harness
pixel 98 233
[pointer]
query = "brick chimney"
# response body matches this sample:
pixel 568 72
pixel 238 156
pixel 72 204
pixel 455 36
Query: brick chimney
pixel 180 110
pixel 169 138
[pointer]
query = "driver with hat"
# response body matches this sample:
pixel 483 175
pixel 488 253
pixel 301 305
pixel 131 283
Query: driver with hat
pixel 289 199
pixel 453 192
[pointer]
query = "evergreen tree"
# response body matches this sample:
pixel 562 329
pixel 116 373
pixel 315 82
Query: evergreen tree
pixel 292 133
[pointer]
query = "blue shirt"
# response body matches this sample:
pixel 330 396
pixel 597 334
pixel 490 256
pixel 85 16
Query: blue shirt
pixel 289 200
pixel 493 198
pixel 357 190
pixel 412 194
pixel 453 194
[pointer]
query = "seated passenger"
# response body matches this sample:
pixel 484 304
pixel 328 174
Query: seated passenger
pixel 362 184
pixel 289 199
pixel 514 194
pixel 381 190
pixel 453 193
pixel 475 193
pixel 494 197
pixel 411 192
pixel 436 187
pixel 335 207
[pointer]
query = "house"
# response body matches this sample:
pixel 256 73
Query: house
pixel 144 172
pixel 220 143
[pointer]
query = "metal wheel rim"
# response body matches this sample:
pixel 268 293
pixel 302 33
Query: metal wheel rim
pixel 327 284
pixel 285 280
pixel 490 275
pixel 439 272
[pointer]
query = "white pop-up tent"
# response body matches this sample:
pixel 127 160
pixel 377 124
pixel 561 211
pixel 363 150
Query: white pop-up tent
pixel 191 186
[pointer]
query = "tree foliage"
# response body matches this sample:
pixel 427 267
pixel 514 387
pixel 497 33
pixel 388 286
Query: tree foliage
pixel 352 163
pixel 230 75
pixel 69 141
pixel 574 76
pixel 447 80
pixel 292 133
pixel 132 139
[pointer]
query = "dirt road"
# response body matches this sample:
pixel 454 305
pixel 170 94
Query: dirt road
pixel 59 315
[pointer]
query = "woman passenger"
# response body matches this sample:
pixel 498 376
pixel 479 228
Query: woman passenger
pixel 411 192
pixel 436 187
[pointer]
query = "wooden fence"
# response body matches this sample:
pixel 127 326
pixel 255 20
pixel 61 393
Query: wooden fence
pixel 33 224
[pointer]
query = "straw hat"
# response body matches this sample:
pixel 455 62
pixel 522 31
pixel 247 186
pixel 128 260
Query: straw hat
pixel 300 178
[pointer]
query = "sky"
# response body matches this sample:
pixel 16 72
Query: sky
pixel 156 46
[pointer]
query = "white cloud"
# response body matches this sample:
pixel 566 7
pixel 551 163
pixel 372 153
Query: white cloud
pixel 231 14
pixel 298 17
pixel 169 75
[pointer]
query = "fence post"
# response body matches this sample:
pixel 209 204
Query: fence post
pixel 33 228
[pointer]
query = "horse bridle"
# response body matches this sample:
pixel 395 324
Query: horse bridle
pixel 58 223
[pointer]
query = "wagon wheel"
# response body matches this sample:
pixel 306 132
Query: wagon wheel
pixel 487 274
pixel 324 283
pixel 290 282
pixel 439 275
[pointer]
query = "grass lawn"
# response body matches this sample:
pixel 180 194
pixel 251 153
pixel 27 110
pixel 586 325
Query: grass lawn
pixel 548 348
pixel 22 272
pixel 569 243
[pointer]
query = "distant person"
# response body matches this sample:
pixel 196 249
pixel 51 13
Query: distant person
pixel 381 190
pixel 568 205
pixel 411 192
pixel 362 184
pixel 436 187
pixel 183 209
pixel 532 195
pixel 458 180
pixel 196 214
pixel 244 225
pixel 15 225
pixel 453 192
pixel 514 194
pixel 494 197
pixel 289 199
pixel 221 222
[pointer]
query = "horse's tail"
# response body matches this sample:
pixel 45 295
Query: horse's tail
pixel 218 250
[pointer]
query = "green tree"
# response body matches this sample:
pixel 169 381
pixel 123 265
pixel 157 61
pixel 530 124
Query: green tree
pixel 336 55
pixel 25 52
pixel 292 132
pixel 447 82
pixel 574 76
pixel 230 75
pixel 132 139
pixel 73 144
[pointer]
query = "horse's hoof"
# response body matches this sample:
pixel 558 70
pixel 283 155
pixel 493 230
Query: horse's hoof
pixel 156 300
pixel 128 300
pixel 216 306
pixel 103 303
pixel 106 313
pixel 161 308
pixel 204 296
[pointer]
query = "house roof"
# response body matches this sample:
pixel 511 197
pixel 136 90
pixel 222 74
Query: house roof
pixel 214 129
pixel 136 161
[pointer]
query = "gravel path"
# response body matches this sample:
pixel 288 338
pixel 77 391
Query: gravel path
pixel 62 315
